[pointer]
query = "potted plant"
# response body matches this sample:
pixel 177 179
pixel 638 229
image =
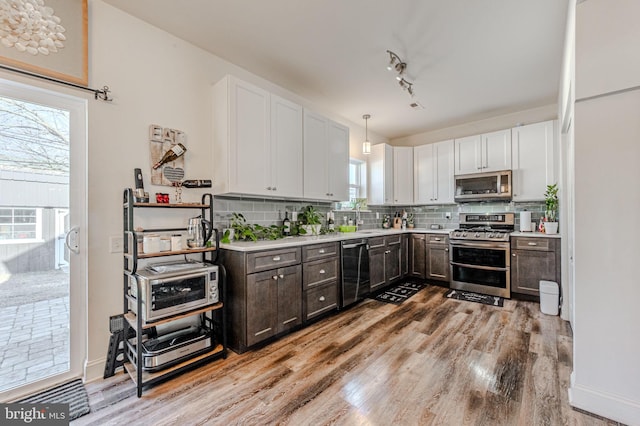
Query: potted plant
pixel 410 221
pixel 551 209
pixel 310 220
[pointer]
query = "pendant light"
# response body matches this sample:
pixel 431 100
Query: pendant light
pixel 366 145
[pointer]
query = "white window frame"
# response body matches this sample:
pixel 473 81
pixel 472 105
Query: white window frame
pixel 38 237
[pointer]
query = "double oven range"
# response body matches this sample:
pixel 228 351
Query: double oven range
pixel 479 253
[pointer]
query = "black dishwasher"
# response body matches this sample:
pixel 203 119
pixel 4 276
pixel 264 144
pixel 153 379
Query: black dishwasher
pixel 355 271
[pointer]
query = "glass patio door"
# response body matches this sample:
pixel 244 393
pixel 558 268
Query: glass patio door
pixel 42 239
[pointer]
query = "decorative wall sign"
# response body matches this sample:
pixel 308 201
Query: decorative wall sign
pixel 46 37
pixel 162 139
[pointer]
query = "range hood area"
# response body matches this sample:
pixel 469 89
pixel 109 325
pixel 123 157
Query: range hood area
pixel 488 186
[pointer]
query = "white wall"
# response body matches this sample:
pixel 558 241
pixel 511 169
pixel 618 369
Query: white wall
pixel 506 121
pixel 606 376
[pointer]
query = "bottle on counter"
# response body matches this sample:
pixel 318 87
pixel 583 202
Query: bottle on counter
pixel 172 153
pixel 331 223
pixel 286 224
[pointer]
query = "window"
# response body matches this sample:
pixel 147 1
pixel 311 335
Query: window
pixel 357 184
pixel 20 224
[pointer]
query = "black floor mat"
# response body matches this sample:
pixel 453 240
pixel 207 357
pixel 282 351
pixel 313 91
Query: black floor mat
pixel 474 297
pixel 399 293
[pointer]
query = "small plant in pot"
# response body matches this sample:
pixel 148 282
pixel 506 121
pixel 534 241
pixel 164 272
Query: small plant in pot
pixel 551 209
pixel 310 220
pixel 410 221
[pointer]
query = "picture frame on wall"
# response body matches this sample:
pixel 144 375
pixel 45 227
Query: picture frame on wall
pixel 46 37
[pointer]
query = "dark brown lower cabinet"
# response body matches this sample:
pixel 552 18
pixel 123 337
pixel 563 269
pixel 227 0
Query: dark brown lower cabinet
pixel 385 260
pixel 273 302
pixel 320 279
pixel 437 260
pixel 417 255
pixel 534 259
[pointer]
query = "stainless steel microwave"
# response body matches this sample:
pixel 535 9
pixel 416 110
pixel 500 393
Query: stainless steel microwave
pixel 174 290
pixel 488 186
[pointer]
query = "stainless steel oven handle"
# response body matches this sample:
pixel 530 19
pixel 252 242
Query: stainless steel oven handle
pixel 486 268
pixel 481 245
pixel 157 281
pixel 349 246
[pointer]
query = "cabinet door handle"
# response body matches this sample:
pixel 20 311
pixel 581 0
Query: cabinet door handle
pixel 321 251
pixel 446 249
pixel 387 252
pixel 513 254
pixel 437 239
pixel 281 276
pixel 321 298
pixel 322 271
pixel 276 258
pixel 268 188
pixel 532 244
pixel 274 189
pixel 275 278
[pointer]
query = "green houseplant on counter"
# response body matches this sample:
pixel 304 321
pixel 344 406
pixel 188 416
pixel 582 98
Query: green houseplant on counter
pixel 551 209
pixel 310 220
pixel 243 231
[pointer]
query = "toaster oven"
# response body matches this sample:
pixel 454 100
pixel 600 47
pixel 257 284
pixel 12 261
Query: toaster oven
pixel 173 288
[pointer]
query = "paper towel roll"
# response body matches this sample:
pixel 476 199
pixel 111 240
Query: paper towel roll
pixel 525 221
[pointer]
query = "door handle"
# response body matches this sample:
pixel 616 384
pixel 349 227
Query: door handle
pixel 72 245
pixel 276 258
pixel 281 276
pixel 322 271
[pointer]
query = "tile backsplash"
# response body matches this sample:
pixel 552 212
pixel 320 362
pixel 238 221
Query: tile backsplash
pixel 269 212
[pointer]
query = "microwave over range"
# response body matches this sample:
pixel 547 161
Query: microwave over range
pixel 173 288
pixel 487 186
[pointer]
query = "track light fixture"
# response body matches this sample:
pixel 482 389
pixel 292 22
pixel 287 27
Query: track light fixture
pixel 406 86
pixel 399 66
pixel 366 145
pixel 395 63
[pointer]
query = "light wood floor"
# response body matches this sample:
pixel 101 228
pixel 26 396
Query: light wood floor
pixel 428 361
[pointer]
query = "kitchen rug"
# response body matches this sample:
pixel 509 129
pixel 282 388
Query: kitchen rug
pixel 399 293
pixel 474 297
pixel 72 393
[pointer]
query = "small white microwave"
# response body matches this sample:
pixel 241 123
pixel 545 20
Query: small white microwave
pixel 174 291
pixel 489 186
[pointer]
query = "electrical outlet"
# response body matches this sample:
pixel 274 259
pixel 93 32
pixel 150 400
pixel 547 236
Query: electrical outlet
pixel 447 215
pixel 377 215
pixel 115 244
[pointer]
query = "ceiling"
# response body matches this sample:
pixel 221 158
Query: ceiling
pixel 467 59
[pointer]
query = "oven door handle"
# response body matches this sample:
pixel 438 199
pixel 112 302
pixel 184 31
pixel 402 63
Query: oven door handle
pixel 487 268
pixel 481 245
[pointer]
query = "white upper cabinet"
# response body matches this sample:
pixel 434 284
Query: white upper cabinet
pixel 286 148
pixel 488 152
pixel 433 173
pixel 533 153
pixel 256 136
pixel 402 175
pixel 326 158
pixel 380 175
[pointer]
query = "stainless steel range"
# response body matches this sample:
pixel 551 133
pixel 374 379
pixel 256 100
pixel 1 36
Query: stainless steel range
pixel 479 253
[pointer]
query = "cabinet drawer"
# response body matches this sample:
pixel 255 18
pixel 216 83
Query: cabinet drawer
pixel 376 242
pixel 319 272
pixel 437 239
pixel 319 251
pixel 265 260
pixel 321 299
pixel 393 239
pixel 534 243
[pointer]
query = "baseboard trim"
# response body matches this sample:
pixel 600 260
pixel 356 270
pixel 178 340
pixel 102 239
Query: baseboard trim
pixel 94 369
pixel 603 404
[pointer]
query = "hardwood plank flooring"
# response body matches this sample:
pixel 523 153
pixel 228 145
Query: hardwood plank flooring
pixel 428 361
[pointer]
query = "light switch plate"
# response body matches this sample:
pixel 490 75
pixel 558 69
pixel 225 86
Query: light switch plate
pixel 115 244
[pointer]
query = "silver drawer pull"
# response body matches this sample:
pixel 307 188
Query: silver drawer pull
pixel 276 258
pixel 532 244
pixel 322 271
pixel 321 251
pixel 275 277
pixel 322 299
pixel 281 276
pixel 437 239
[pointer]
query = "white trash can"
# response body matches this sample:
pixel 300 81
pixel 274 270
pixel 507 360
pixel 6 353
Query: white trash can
pixel 549 297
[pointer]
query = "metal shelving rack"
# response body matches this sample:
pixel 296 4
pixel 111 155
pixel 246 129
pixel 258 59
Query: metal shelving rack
pixel 214 316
